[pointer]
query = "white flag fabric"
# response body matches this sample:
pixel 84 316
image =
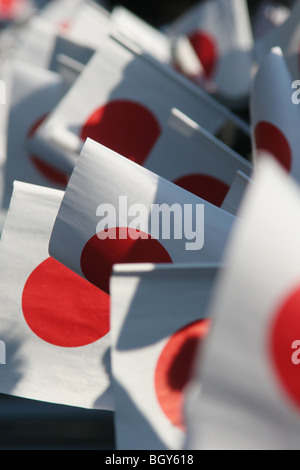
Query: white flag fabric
pixel 221 35
pixel 90 24
pixel 34 44
pixel 4 103
pixel 34 92
pixel 236 193
pixel 111 213
pixel 69 57
pixel 143 34
pixel 45 45
pixel 158 318
pixel 61 12
pixel 3 211
pixel 57 341
pixel 249 371
pixel 285 36
pixel 123 100
pixel 275 118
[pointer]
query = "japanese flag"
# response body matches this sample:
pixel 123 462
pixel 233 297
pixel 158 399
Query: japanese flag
pixel 111 213
pixel 249 370
pixel 57 342
pixel 275 119
pixel 287 37
pixel 34 91
pixel 159 321
pixel 123 100
pixel 219 32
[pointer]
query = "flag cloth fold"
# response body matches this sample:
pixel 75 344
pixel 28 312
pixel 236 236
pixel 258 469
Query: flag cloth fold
pixel 245 395
pixel 159 322
pixel 220 34
pixel 57 342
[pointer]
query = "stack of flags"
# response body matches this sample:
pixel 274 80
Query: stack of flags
pixel 149 199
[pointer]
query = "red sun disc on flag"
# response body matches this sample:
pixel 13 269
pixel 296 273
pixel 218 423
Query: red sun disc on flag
pixel 125 127
pixel 206 50
pixel 64 309
pixel 174 369
pixel 207 187
pixel 285 330
pixel 8 8
pixel 121 245
pixel 48 171
pixel 270 139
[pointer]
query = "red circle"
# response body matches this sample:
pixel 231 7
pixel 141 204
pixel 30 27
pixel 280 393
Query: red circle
pixel 48 171
pixel 7 9
pixel 125 127
pixel 284 331
pixel 270 139
pixel 206 49
pixel 174 369
pixel 206 187
pixel 62 308
pixel 119 247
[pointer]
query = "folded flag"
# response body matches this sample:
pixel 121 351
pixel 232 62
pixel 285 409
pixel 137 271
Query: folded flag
pixel 220 34
pixel 159 322
pixel 247 384
pixel 115 211
pixel 275 119
pixel 57 342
